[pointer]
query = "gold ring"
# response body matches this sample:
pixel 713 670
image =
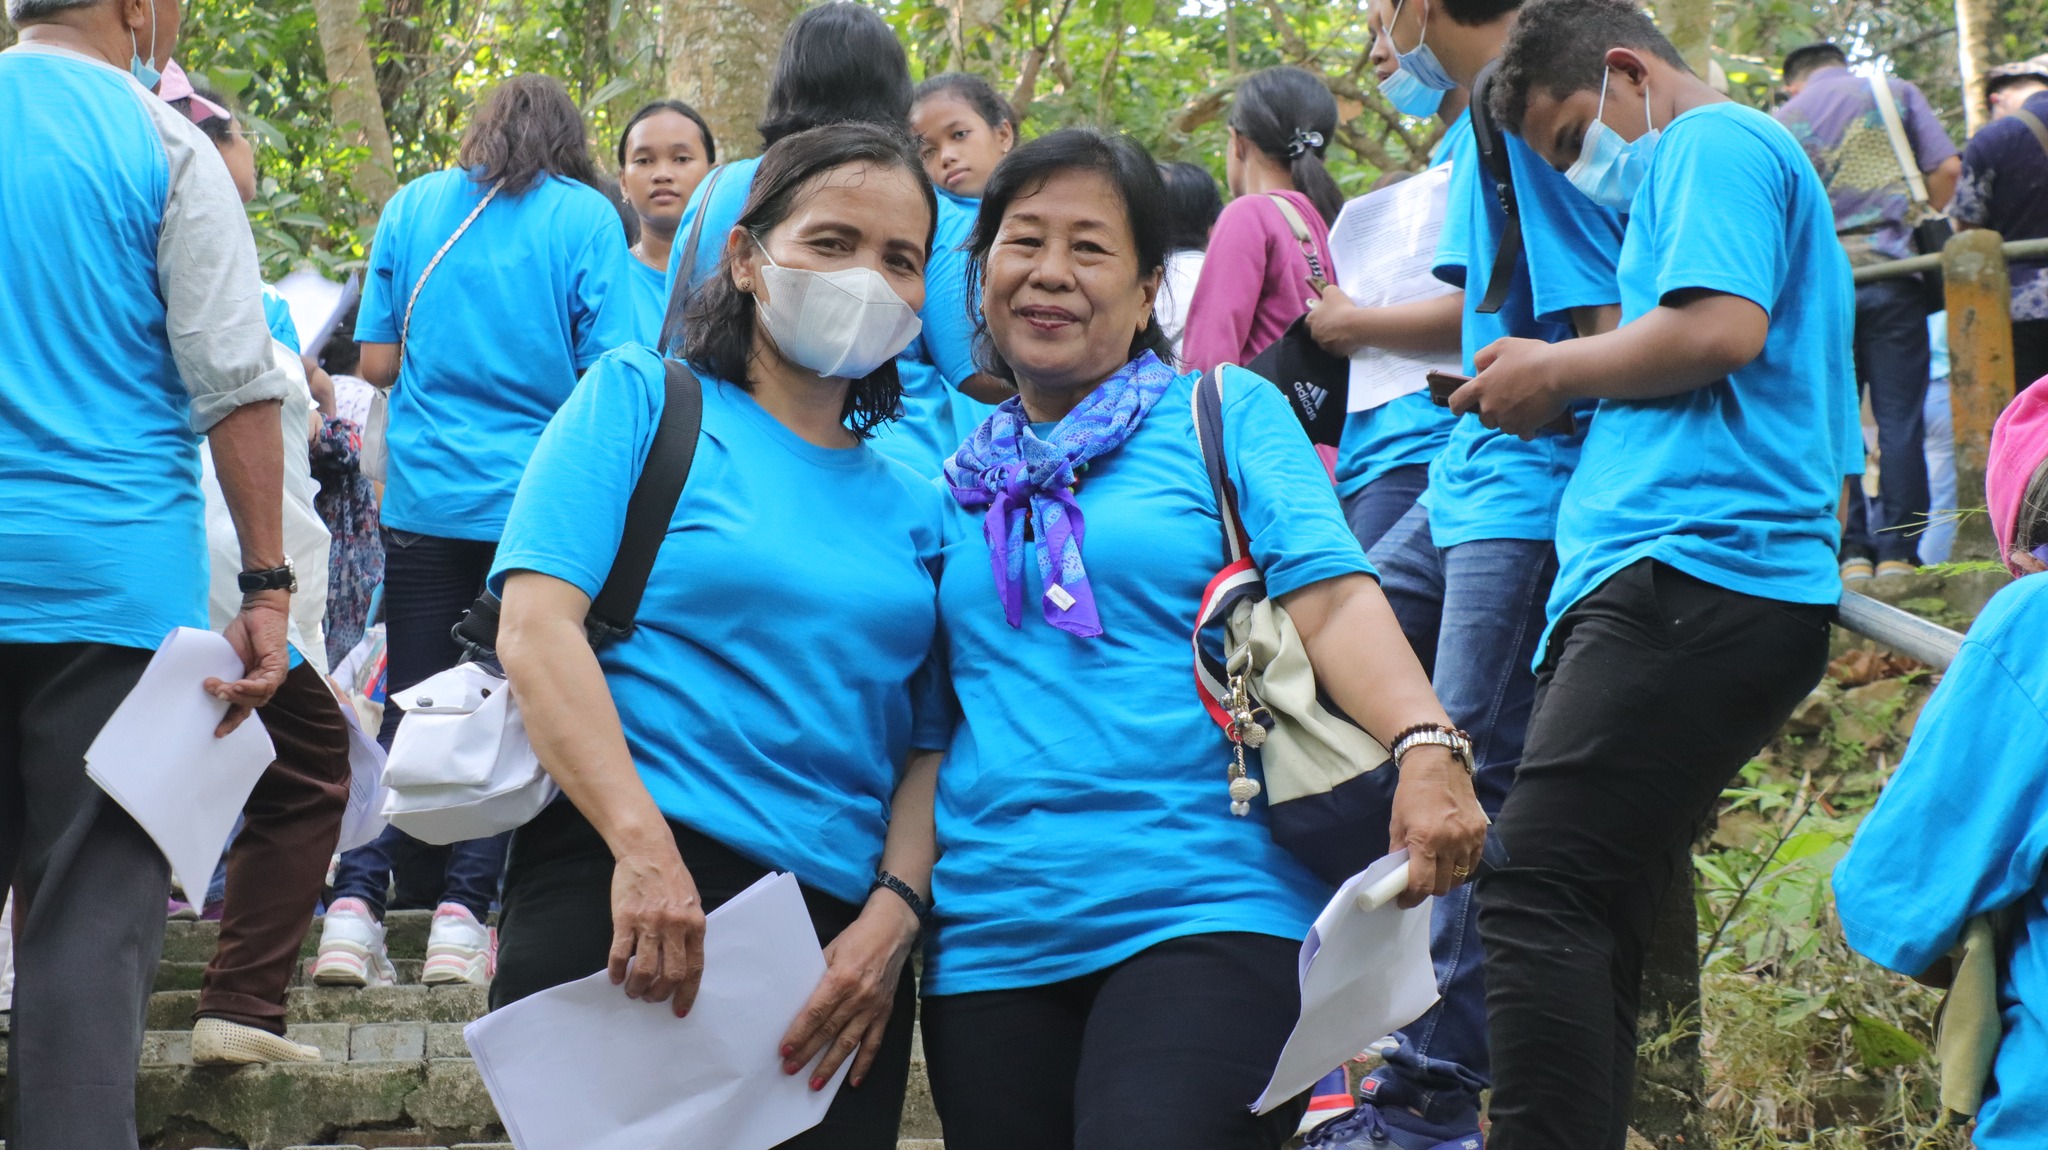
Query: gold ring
pixel 1460 871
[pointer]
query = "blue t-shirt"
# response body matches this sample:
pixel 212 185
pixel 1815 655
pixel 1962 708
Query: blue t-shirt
pixel 1962 830
pixel 1082 810
pixel 102 536
pixel 721 203
pixel 650 301
pixel 277 312
pixel 767 688
pixel 1735 483
pixel 937 416
pixel 1489 484
pixel 531 295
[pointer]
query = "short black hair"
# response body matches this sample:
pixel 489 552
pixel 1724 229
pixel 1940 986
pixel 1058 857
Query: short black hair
pixel 1560 47
pixel 527 130
pixel 1192 205
pixel 215 128
pixel 718 324
pixel 1809 58
pixel 838 62
pixel 1472 13
pixel 1127 166
pixel 1289 114
pixel 679 108
pixel 974 91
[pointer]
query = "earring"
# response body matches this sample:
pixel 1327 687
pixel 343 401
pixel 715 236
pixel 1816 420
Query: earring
pixel 747 285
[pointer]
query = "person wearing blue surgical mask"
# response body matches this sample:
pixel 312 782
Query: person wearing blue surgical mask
pixel 1696 542
pixel 1419 81
pixel 716 744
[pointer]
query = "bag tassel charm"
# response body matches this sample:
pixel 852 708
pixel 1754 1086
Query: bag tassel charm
pixel 1245 731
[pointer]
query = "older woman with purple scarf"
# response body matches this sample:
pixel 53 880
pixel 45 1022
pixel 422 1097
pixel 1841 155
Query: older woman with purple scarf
pixel 1115 963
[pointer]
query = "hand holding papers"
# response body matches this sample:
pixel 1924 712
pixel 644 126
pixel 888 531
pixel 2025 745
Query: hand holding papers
pixel 1365 972
pixel 158 757
pixel 1383 246
pixel 583 1067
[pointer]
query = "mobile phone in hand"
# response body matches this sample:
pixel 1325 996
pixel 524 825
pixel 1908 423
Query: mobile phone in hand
pixel 1443 383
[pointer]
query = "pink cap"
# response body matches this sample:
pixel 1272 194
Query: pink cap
pixel 176 85
pixel 2019 446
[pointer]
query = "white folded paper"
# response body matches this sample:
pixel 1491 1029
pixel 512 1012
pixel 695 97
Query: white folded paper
pixel 363 820
pixel 1383 246
pixel 1365 972
pixel 583 1067
pixel 158 758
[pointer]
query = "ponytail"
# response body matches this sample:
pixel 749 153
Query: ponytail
pixel 1289 115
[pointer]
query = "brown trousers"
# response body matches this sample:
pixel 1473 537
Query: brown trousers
pixel 278 864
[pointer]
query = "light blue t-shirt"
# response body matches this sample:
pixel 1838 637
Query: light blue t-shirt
pixel 1082 809
pixel 721 198
pixel 1937 345
pixel 1735 483
pixel 650 301
pixel 1962 830
pixel 937 416
pixel 277 312
pixel 767 688
pixel 102 533
pixel 531 295
pixel 1489 484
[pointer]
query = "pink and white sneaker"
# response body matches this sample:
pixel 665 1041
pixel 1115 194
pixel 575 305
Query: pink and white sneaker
pixel 352 948
pixel 459 948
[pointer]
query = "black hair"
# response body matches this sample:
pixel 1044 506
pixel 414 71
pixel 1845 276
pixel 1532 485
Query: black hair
pixel 2030 525
pixel 838 62
pixel 1809 58
pixel 679 108
pixel 1127 166
pixel 527 130
pixel 1192 205
pixel 1560 47
pixel 341 355
pixel 615 195
pixel 1473 13
pixel 216 128
pixel 1288 113
pixel 972 90
pixel 718 319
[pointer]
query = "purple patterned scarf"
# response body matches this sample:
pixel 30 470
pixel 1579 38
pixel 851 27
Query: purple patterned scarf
pixel 1007 468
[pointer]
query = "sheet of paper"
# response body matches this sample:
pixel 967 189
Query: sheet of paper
pixel 363 820
pixel 158 758
pixel 1382 246
pixel 583 1067
pixel 1365 973
pixel 316 303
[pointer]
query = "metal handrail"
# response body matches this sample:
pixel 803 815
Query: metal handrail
pixel 1894 269
pixel 1902 631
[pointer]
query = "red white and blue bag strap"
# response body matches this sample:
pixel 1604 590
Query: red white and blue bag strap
pixel 1240 577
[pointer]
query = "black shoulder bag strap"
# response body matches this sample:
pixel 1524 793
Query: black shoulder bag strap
pixel 679 296
pixel 648 511
pixel 1493 153
pixel 652 506
pixel 1209 434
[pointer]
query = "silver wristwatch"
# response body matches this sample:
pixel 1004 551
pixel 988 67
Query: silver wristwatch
pixel 1434 735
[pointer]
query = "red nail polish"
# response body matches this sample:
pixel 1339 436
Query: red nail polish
pixel 817 1084
pixel 853 1082
pixel 788 1051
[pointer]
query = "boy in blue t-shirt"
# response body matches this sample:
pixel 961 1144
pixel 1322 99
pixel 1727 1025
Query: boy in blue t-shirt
pixel 1696 541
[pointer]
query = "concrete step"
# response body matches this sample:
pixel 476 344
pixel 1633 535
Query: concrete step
pixel 172 1009
pixel 405 936
pixel 188 975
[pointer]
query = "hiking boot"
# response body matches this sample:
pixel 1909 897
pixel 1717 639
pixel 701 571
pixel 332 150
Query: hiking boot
pixel 459 948
pixel 1857 570
pixel 1896 567
pixel 352 948
pixel 1371 1127
pixel 218 1042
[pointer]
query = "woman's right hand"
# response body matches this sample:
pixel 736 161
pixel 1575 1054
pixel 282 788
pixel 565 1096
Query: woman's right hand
pixel 657 928
pixel 1333 322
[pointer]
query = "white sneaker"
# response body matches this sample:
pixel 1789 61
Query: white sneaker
pixel 217 1042
pixel 459 948
pixel 352 948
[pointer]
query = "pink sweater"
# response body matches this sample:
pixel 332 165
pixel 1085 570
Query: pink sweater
pixel 1254 282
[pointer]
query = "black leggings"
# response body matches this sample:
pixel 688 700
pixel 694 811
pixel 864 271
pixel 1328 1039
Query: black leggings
pixel 1167 1050
pixel 557 928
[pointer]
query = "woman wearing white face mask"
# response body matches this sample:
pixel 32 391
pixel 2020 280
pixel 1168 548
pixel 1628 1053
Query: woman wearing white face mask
pixel 766 710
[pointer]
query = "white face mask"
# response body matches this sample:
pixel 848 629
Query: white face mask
pixel 842 325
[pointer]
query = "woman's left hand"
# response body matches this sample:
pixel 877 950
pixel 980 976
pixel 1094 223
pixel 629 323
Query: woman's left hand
pixel 849 1011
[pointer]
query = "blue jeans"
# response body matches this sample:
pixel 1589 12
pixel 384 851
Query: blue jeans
pixel 1940 537
pixel 1892 357
pixel 1473 613
pixel 429 582
pixel 1373 510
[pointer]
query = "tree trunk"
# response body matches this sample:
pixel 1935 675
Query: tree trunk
pixel 358 114
pixel 721 54
pixel 1689 25
pixel 1976 21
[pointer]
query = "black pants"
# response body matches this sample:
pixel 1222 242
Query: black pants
pixel 1164 1051
pixel 2029 352
pixel 557 928
pixel 1657 689
pixel 1892 357
pixel 89 889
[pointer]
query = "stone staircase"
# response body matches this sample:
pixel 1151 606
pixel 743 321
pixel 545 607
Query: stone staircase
pixel 393 1071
